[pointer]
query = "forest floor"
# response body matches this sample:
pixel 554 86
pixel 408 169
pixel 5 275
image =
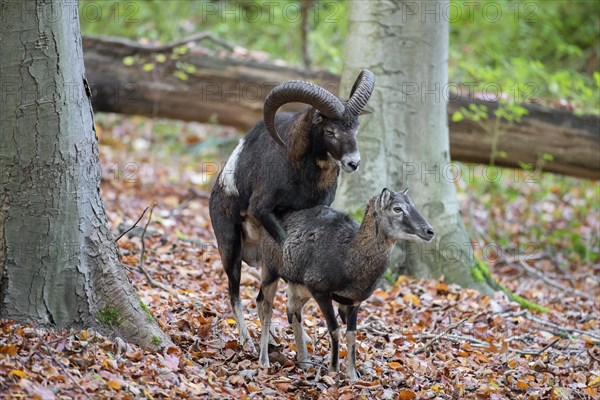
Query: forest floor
pixel 417 338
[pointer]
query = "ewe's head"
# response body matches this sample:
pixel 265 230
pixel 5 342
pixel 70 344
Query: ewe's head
pixel 399 217
pixel 336 122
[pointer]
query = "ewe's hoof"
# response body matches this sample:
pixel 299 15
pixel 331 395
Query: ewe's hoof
pixel 264 362
pixel 353 376
pixel 307 338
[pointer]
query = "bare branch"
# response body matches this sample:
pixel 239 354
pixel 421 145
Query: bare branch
pixel 551 282
pixel 151 281
pixel 61 366
pixel 439 336
pixel 132 226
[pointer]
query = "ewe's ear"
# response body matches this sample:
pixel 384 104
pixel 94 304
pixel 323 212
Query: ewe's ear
pixel 384 198
pixel 405 191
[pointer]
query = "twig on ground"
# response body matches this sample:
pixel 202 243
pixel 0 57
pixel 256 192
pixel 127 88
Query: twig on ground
pixel 557 328
pixel 439 336
pixel 151 281
pixel 132 226
pixel 561 328
pixel 536 352
pixel 453 338
pixel 551 282
pixel 369 327
pixel 548 346
pixel 521 338
pixel 62 367
pixel 591 354
pixel 58 339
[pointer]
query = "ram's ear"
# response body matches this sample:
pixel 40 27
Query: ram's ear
pixel 317 118
pixel 365 112
pixel 384 198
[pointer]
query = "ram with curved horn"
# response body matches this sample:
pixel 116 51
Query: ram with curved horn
pixel 289 161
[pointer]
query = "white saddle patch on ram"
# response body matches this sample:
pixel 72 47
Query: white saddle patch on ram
pixel 227 178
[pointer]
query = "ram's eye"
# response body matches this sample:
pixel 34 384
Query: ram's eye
pixel 329 132
pixel 398 210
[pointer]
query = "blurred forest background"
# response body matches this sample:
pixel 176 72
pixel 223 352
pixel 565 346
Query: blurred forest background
pixel 552 44
pixel 544 52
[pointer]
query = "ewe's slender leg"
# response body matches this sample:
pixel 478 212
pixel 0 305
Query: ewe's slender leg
pixel 295 305
pixel 326 306
pixel 343 311
pixel 264 303
pixel 273 336
pixel 351 315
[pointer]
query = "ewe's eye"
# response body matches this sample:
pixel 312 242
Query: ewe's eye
pixel 398 210
pixel 329 132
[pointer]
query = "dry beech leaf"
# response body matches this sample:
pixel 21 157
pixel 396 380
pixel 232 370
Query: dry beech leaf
pixel 328 380
pixel 522 385
pixel 18 372
pixel 594 381
pixel 414 299
pixel 395 366
pixel 114 384
pixel 9 349
pixel 407 395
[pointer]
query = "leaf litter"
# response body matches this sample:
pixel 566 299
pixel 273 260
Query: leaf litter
pixel 417 339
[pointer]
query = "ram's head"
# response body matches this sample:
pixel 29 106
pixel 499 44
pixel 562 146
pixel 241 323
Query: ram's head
pixel 335 121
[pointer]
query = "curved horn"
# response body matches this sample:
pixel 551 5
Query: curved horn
pixel 301 92
pixel 361 92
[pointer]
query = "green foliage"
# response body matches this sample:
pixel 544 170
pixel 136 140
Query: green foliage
pixel 144 307
pixel 357 214
pixel 110 316
pixel 523 302
pixel 513 50
pixel 480 272
pixel 156 340
pixel 530 50
pixel 506 114
pixel 477 275
pixel 273 27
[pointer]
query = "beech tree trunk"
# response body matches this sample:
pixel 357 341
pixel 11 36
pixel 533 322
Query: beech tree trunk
pixel 59 265
pixel 230 90
pixel 405 142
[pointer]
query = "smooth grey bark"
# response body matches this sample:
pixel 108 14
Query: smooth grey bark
pixel 59 265
pixel 405 142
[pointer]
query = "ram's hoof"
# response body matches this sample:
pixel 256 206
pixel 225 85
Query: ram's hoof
pixel 247 344
pixel 303 364
pixel 353 375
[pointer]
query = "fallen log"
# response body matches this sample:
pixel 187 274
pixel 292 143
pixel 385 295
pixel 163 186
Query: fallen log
pixel 196 84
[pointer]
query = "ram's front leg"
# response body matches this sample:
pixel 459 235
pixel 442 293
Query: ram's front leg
pixel 261 208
